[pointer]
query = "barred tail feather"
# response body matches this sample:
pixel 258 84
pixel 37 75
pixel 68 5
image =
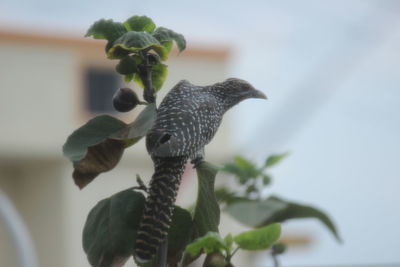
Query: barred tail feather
pixel 159 206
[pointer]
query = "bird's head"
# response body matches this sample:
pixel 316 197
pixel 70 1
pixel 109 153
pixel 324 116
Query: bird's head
pixel 233 90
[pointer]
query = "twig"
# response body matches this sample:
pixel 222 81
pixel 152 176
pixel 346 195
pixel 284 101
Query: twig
pixel 233 253
pixel 145 75
pixel 162 254
pixel 141 185
pixel 275 259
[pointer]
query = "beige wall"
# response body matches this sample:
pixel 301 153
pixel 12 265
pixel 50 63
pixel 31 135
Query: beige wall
pixel 35 189
pixel 36 96
pixel 40 105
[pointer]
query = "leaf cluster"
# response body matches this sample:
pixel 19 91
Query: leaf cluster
pixel 248 204
pixel 221 250
pixel 251 179
pixel 139 46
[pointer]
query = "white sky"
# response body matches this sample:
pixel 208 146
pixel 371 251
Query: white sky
pixel 330 70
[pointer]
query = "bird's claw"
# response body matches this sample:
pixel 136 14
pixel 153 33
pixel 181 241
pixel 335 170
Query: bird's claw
pixel 141 185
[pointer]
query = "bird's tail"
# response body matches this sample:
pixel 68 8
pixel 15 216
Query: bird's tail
pixel 159 206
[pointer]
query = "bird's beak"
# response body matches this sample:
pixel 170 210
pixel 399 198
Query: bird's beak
pixel 258 94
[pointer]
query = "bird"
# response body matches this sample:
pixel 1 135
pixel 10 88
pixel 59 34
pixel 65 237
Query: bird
pixel 187 120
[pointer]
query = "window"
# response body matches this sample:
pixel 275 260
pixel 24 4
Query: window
pixel 100 86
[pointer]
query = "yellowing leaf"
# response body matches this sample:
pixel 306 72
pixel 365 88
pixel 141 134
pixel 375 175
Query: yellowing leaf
pixel 259 239
pixel 140 24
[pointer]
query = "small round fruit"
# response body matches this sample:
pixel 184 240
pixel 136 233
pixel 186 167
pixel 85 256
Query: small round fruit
pixel 125 99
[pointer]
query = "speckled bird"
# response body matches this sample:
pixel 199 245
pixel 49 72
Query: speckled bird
pixel 187 120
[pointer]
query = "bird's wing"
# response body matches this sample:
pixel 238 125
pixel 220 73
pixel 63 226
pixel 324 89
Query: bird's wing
pixel 183 124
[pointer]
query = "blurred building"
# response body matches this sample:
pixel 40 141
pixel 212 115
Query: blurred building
pixel 49 86
pixel 329 68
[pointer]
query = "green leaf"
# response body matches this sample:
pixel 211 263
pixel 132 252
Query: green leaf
pixel 132 42
pixel 179 234
pixel 134 131
pixel 209 243
pixel 128 65
pixel 164 35
pixel 243 169
pixel 140 24
pixel 274 159
pixel 129 77
pixel 243 163
pixel 228 241
pixel 266 179
pixel 206 214
pixel 254 213
pixel 92 133
pixel 109 233
pixel 232 168
pixel 297 211
pixel 106 29
pixel 273 210
pixel 251 188
pixel 158 75
pixel 223 195
pixel 167 45
pixel 259 239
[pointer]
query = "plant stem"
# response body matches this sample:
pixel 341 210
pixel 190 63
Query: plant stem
pixel 145 75
pixel 275 259
pixel 162 254
pixel 257 183
pixel 233 253
pixel 229 257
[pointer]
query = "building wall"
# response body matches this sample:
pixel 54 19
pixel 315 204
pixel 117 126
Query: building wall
pixel 34 188
pixel 36 96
